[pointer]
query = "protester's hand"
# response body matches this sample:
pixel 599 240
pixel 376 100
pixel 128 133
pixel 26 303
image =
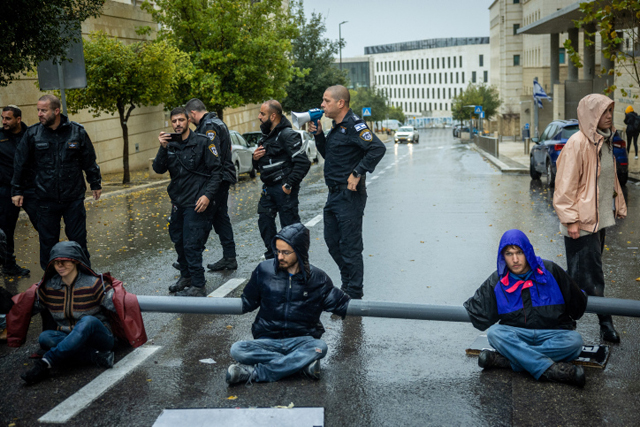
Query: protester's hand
pixel 96 194
pixel 17 200
pixel 287 192
pixel 315 129
pixel 352 182
pixel 259 153
pixel 573 230
pixel 164 139
pixel 202 204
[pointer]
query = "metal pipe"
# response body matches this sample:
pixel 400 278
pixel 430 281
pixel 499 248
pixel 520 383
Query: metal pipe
pixel 190 305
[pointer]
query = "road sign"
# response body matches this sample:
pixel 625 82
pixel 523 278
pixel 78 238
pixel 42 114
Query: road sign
pixel 477 109
pixel 526 125
pixel 366 111
pixel 482 114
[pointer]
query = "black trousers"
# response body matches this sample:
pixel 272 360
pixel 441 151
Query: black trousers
pixel 75 225
pixel 274 201
pixel 9 214
pixel 189 231
pixel 343 214
pixel 634 138
pixel 222 222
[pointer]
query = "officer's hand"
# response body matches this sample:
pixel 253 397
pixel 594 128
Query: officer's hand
pixel 17 200
pixel 287 192
pixel 164 139
pixel 315 129
pixel 259 153
pixel 352 182
pixel 202 204
pixel 96 194
pixel 574 230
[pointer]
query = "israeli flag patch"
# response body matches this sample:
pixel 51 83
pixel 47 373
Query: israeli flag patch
pixel 360 126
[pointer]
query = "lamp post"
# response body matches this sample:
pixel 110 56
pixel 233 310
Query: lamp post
pixel 340 37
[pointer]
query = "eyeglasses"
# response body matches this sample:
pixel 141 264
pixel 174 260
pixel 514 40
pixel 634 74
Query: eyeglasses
pixel 285 253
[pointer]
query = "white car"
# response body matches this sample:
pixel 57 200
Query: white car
pixel 406 134
pixel 242 155
pixel 309 144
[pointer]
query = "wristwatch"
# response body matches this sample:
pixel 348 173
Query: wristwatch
pixel 356 174
pixel 287 187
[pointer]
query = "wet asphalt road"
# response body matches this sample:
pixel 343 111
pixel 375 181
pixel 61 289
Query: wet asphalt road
pixel 434 216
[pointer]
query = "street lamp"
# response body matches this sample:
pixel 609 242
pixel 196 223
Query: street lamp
pixel 340 36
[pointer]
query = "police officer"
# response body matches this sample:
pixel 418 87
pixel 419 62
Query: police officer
pixel 58 150
pixel 210 125
pixel 350 151
pixel 194 164
pixel 13 129
pixel 283 163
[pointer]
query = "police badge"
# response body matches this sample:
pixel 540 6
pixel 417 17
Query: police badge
pixel 213 149
pixel 211 134
pixel 366 135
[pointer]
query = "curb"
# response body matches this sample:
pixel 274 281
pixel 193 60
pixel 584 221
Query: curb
pixel 504 168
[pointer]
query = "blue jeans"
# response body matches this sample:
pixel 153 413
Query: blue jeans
pixel 277 358
pixel 534 350
pixel 86 337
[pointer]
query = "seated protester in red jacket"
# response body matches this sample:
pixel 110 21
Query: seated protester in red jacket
pixel 536 304
pixel 81 307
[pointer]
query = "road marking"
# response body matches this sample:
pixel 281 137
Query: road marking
pixel 314 221
pixel 96 388
pixel 227 288
pixel 389 167
pixel 375 177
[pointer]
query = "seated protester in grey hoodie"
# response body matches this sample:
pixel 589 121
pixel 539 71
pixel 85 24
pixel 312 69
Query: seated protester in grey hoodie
pixel 290 294
pixel 530 306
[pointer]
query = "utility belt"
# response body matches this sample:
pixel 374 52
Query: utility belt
pixel 341 187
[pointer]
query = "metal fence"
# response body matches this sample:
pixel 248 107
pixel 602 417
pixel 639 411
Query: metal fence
pixel 490 145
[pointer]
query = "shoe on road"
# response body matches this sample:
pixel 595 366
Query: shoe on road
pixel 239 373
pixel 103 359
pixel 176 265
pixel 39 372
pixel 609 333
pixel 488 359
pixel 183 282
pixel 312 370
pixel 563 372
pixel 223 264
pixel 193 291
pixel 15 270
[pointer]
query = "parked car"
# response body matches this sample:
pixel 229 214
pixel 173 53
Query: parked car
pixel 406 134
pixel 242 155
pixel 546 150
pixel 252 138
pixel 309 144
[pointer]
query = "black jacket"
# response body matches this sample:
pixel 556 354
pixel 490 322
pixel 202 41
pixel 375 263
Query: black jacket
pixel 632 120
pixel 349 146
pixel 8 144
pixel 194 166
pixel 217 131
pixel 290 306
pixel 58 157
pixel 285 161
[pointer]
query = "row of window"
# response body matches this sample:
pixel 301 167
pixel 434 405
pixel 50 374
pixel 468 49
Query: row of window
pixel 418 107
pixel 414 93
pixel 426 78
pixel 419 64
pixel 533 57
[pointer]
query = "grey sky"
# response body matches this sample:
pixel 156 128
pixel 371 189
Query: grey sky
pixel 377 22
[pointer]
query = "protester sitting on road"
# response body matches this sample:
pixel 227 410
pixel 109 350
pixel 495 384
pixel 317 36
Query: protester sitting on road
pixel 536 304
pixel 588 198
pixel 82 310
pixel 291 295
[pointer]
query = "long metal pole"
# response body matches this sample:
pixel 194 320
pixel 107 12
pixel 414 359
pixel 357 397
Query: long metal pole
pixel 395 310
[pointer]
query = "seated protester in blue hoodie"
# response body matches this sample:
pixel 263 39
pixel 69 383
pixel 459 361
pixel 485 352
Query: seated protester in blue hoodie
pixel 291 294
pixel 530 306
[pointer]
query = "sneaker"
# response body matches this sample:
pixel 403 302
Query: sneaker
pixel 15 270
pixel 103 359
pixel 224 264
pixel 492 359
pixel 239 373
pixel 39 372
pixel 563 372
pixel 609 333
pixel 193 291
pixel 312 370
pixel 182 283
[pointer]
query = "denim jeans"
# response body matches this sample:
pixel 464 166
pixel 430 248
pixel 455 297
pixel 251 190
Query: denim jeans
pixel 534 350
pixel 274 359
pixel 86 337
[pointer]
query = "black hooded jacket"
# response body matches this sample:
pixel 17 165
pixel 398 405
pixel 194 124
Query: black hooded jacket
pixel 285 161
pixel 217 132
pixel 8 144
pixel 290 305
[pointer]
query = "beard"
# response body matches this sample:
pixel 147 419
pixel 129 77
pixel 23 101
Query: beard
pixel 265 127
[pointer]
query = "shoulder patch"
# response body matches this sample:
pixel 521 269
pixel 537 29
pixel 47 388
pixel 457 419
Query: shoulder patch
pixel 211 134
pixel 366 135
pixel 360 126
pixel 213 149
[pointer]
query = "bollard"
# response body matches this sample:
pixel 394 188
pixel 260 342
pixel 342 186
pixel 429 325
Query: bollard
pixel 527 145
pixel 363 308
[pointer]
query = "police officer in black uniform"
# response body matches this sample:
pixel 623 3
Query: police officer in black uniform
pixel 196 173
pixel 210 125
pixel 350 151
pixel 58 150
pixel 283 163
pixel 13 129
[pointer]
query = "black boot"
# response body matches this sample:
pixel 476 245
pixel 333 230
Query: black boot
pixel 183 282
pixel 492 359
pixel 15 270
pixel 607 331
pixel 567 373
pixel 39 372
pixel 223 264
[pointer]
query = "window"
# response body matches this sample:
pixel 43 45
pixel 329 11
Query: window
pixel 433 94
pixel 449 62
pixel 461 62
pixel 422 93
pixel 414 79
pixel 413 94
pixel 449 93
pixel 440 77
pixel 455 92
pixel 516 1
pixel 405 107
pixel 412 65
pixel 485 77
pixel 437 62
pixel 454 62
pixel 445 78
pixel 432 67
pixel 405 79
pixel 427 61
pixel 419 79
pixel 463 77
pixel 515 29
pixel 481 60
pixel 429 106
pixel 439 93
pixel 457 77
pixel 422 63
pixel 473 77
pixel 516 60
pixel 429 78
pixel 441 106
pixel 561 55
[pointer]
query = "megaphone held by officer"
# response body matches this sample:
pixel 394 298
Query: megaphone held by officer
pixel 299 119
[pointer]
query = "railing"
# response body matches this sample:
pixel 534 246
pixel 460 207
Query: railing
pixel 490 145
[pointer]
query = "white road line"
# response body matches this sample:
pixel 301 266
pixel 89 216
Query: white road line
pixel 227 288
pixel 313 221
pixel 375 177
pixel 96 388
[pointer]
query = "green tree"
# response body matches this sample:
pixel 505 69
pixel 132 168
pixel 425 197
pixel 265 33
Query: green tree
pixel 618 23
pixel 240 49
pixel 32 31
pixel 312 54
pixel 122 77
pixel 369 98
pixel 396 113
pixel 486 96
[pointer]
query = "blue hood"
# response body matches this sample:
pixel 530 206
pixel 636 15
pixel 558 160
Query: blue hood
pixel 519 239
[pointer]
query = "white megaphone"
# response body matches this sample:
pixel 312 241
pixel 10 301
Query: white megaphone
pixel 299 119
